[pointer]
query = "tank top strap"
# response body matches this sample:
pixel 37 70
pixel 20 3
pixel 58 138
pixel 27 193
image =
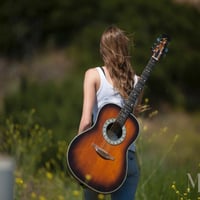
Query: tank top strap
pixel 103 70
pixel 101 73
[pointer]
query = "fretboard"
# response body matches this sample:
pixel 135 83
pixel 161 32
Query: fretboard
pixel 130 103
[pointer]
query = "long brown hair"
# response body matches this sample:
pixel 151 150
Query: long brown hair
pixel 114 48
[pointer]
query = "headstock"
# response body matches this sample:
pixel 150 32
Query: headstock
pixel 160 47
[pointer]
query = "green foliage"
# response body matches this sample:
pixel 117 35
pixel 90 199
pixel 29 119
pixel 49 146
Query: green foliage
pixel 58 106
pixel 164 156
pixel 28 142
pixel 30 25
pixel 39 156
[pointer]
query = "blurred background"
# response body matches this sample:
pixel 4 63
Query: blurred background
pixel 45 48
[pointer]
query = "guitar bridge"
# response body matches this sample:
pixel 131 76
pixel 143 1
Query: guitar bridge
pixel 104 154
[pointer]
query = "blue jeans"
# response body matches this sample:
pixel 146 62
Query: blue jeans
pixel 128 189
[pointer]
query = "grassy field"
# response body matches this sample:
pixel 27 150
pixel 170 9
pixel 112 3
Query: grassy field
pixel 168 148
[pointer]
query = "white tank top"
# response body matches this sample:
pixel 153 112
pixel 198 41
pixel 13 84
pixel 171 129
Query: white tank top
pixel 107 94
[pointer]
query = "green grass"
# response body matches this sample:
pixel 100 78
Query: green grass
pixel 167 147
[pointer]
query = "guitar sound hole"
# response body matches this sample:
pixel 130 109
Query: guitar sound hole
pixel 114 131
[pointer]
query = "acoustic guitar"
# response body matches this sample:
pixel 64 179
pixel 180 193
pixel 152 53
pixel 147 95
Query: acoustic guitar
pixel 97 157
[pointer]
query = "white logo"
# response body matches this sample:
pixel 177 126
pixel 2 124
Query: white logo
pixel 193 182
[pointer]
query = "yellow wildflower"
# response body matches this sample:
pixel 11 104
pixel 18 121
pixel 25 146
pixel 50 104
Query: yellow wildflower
pixel 88 177
pixel 145 128
pixel 49 175
pixel 173 186
pixel 146 100
pixel 100 196
pixel 19 181
pixel 42 198
pixel 76 193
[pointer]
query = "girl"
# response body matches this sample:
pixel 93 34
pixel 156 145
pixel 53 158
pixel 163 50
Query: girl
pixel 111 83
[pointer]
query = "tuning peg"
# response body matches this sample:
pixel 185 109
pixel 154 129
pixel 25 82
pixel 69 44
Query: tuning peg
pixel 154 45
pixel 158 39
pixel 164 35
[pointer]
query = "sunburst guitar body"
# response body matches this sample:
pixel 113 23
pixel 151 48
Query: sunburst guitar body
pixel 97 157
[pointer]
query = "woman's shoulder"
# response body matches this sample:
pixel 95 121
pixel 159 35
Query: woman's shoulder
pixel 91 73
pixel 92 77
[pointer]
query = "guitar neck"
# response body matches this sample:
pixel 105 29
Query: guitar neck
pixel 132 99
pixel 158 50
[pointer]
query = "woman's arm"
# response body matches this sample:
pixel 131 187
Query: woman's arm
pixel 89 96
